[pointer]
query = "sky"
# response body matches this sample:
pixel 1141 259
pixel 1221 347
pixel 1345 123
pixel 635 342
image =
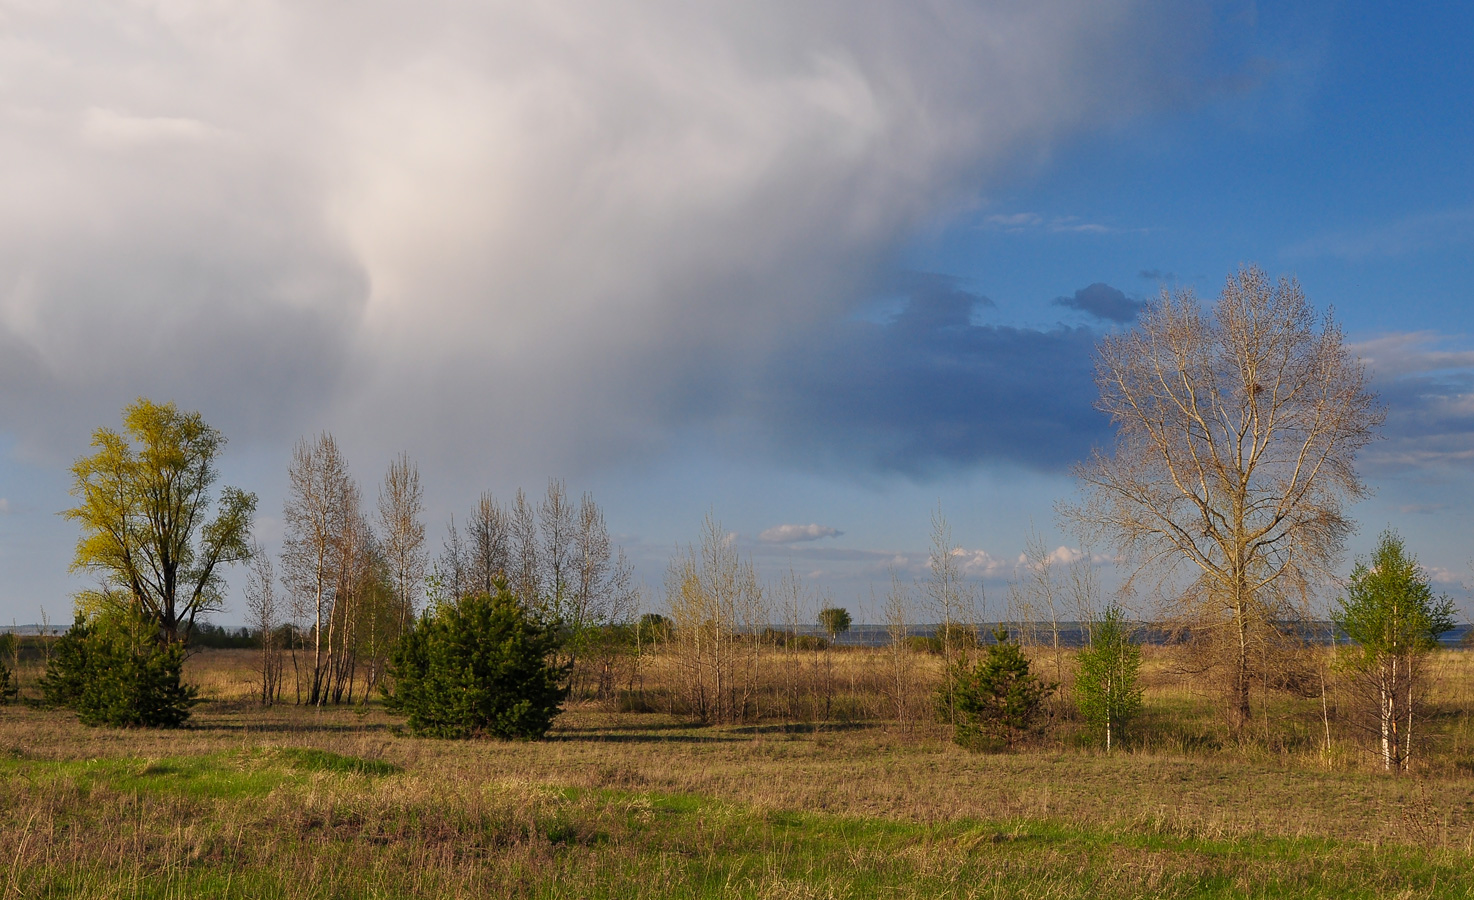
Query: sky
pixel 820 270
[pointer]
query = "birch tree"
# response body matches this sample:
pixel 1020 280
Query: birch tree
pixel 1237 429
pixel 321 500
pixel 402 533
pixel 716 606
pixel 1394 619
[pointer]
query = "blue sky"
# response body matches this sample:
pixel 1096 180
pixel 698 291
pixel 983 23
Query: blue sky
pixel 833 266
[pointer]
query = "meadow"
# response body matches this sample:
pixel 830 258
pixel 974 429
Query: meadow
pixel 629 799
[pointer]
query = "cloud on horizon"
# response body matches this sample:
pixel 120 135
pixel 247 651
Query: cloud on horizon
pixel 793 534
pixel 1428 390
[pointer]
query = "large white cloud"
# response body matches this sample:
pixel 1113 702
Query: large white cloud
pixel 542 231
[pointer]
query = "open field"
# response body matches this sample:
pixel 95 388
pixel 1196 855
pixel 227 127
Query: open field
pixel 294 802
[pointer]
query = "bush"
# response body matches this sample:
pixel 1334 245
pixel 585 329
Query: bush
pixel 117 670
pixel 478 666
pixel 998 700
pixel 8 689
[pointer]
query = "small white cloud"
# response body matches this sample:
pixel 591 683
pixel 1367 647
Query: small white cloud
pixel 793 534
pixel 110 128
pixel 1016 220
pixel 981 563
pixel 1440 575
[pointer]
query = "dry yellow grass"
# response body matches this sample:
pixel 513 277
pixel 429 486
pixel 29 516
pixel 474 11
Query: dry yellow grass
pixel 598 805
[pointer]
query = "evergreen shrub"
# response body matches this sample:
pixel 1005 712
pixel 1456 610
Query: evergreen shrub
pixel 479 666
pixel 999 699
pixel 118 670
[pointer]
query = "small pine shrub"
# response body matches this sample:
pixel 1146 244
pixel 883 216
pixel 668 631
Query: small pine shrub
pixel 999 699
pixel 478 666
pixel 8 689
pixel 117 670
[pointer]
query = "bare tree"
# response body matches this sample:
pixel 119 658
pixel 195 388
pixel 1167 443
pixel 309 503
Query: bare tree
pixel 488 534
pixel 1236 435
pixel 452 570
pixel 557 527
pixel 791 602
pixel 902 680
pixel 265 612
pixel 953 604
pixel 1037 597
pixel 526 574
pixel 402 533
pixel 601 594
pixel 716 605
pixel 320 502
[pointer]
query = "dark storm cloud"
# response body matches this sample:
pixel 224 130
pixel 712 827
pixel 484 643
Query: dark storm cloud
pixel 931 390
pixel 1103 302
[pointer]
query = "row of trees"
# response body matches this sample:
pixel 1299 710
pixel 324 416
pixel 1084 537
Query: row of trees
pixel 351 582
pixel 1224 498
pixel 558 559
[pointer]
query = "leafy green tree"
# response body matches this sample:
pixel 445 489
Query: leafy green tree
pixel 998 701
pixel 1108 688
pixel 118 670
pixel 478 666
pixel 653 628
pixel 144 504
pixel 1394 619
pixel 834 620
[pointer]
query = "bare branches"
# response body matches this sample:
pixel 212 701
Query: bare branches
pixel 1236 436
pixel 401 503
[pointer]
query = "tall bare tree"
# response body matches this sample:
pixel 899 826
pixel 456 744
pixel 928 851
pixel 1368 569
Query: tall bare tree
pixel 557 527
pixel 266 614
pixel 1237 430
pixel 321 502
pixel 402 533
pixel 602 594
pixel 452 569
pixel 488 535
pixel 526 574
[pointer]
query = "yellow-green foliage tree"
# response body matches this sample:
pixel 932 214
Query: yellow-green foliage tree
pixel 144 507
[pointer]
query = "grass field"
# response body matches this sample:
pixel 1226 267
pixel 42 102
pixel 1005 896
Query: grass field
pixel 294 802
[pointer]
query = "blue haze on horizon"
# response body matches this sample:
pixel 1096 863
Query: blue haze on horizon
pixel 833 268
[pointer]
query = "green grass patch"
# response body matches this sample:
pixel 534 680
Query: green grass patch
pixel 212 776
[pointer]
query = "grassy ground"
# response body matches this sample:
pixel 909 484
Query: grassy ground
pixel 292 802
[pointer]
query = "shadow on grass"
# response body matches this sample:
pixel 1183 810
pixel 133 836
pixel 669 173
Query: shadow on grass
pixel 803 728
pixel 642 736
